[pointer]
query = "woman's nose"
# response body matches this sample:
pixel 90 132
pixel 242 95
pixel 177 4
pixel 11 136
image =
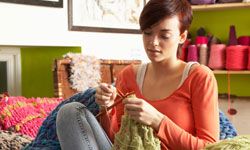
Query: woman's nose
pixel 154 41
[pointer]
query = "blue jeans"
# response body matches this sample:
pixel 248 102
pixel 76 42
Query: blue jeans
pixel 78 129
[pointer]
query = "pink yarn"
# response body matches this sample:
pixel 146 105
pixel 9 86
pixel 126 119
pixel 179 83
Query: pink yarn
pixel 201 40
pixel 192 53
pixel 236 57
pixel 217 59
pixel 244 40
pixel 25 115
pixel 248 58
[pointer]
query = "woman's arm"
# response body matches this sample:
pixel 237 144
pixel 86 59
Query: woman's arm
pixel 204 103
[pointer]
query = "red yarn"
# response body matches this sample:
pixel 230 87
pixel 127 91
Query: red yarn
pixel 244 40
pixel 183 53
pixel 248 58
pixel 201 40
pixel 230 111
pixel 236 57
pixel 217 59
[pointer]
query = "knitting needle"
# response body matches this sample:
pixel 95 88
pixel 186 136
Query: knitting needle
pixel 121 95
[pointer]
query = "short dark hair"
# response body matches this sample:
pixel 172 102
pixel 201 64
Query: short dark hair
pixel 156 10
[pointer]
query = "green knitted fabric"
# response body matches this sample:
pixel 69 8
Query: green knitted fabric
pixel 135 136
pixel 237 143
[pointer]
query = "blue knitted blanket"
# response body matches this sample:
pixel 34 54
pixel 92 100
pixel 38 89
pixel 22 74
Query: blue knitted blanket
pixel 46 138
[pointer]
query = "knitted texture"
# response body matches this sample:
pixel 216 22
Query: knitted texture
pixel 13 141
pixel 84 71
pixel 47 137
pixel 25 115
pixel 135 136
pixel 237 143
pixel 227 130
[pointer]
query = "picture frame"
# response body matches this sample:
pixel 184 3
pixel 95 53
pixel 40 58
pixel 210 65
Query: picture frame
pixel 47 3
pixel 111 16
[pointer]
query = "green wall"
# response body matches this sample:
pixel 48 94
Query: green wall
pixel 218 22
pixel 37 62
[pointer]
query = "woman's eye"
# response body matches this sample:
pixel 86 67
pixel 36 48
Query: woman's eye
pixel 147 32
pixel 165 36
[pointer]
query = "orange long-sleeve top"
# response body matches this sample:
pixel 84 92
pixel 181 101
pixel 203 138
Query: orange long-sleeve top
pixel 191 112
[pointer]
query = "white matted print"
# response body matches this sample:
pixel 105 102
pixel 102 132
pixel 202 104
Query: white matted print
pixel 105 15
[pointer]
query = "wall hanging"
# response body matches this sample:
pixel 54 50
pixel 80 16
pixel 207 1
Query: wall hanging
pixel 105 16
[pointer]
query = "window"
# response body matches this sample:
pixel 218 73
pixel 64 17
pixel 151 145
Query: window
pixel 3 76
pixel 10 70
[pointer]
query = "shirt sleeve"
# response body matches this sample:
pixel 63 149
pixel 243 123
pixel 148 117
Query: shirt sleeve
pixel 204 101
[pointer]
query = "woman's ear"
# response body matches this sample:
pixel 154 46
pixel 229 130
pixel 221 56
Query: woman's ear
pixel 183 37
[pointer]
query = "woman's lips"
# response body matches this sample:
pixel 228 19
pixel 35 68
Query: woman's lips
pixel 154 51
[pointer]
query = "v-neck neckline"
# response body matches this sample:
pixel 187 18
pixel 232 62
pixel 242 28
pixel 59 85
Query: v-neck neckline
pixel 166 97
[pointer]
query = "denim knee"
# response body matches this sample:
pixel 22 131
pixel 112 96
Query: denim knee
pixel 67 111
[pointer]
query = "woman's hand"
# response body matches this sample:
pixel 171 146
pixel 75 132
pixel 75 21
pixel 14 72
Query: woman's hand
pixel 141 111
pixel 105 95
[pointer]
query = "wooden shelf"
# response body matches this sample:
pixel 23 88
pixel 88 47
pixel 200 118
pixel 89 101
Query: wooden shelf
pixel 231 72
pixel 221 6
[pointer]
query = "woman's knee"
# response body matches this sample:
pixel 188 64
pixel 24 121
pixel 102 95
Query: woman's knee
pixel 67 112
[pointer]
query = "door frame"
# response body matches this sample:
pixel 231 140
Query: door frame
pixel 12 56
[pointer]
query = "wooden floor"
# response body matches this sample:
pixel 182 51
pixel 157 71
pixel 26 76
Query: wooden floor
pixel 242 119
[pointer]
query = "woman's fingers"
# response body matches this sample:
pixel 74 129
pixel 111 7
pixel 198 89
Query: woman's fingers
pixel 106 88
pixel 102 102
pixel 131 101
pixel 133 104
pixel 105 94
pixel 102 97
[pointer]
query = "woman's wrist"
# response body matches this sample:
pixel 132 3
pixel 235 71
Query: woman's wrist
pixel 157 122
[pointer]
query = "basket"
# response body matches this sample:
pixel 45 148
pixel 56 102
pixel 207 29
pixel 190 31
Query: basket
pixel 61 73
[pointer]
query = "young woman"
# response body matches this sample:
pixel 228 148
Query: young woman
pixel 177 99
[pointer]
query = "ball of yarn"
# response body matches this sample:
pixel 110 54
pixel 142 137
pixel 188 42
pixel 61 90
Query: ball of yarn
pixel 217 59
pixel 199 2
pixel 244 40
pixel 192 53
pixel 203 50
pixel 248 58
pixel 201 40
pixel 236 57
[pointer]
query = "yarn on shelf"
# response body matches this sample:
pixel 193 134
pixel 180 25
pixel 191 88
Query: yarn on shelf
pixel 248 67
pixel 244 40
pixel 236 57
pixel 192 53
pixel 202 2
pixel 203 51
pixel 217 59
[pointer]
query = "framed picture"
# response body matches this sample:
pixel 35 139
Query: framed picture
pixel 116 16
pixel 48 3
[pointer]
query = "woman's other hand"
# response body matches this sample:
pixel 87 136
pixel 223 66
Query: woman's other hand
pixel 141 111
pixel 105 94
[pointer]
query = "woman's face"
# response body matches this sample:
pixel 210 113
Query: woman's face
pixel 162 39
